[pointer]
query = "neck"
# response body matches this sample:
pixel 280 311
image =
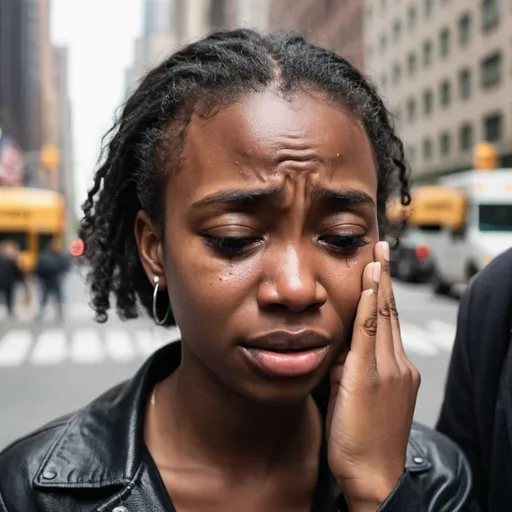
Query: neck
pixel 201 420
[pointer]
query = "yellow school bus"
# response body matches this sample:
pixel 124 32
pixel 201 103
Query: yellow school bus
pixel 31 217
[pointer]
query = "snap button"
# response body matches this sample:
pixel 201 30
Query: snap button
pixel 120 509
pixel 418 460
pixel 49 475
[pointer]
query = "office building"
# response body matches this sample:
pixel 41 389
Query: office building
pixel 444 69
pixel 335 24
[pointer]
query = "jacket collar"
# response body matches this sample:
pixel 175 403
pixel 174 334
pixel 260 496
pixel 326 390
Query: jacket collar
pixel 102 445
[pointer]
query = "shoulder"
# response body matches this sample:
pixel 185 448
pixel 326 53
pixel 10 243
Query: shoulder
pixel 20 461
pixel 496 276
pixel 440 469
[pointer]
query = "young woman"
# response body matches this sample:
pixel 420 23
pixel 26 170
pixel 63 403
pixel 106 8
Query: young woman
pixel 242 199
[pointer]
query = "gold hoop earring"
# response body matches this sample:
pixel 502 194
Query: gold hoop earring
pixel 156 280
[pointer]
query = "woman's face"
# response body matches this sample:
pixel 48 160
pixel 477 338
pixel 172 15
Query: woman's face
pixel 269 223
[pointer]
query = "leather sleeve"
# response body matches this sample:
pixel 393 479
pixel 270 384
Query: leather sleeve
pixel 457 418
pixel 3 506
pixel 403 498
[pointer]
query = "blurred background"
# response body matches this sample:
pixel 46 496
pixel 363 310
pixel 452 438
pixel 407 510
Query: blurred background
pixel 444 68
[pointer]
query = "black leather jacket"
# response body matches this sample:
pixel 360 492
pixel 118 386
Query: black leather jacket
pixel 95 460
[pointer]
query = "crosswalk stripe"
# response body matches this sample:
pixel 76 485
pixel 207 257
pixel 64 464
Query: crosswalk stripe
pixel 118 345
pixel 50 347
pixel 415 339
pixel 87 347
pixel 14 347
pixel 146 343
pixel 443 334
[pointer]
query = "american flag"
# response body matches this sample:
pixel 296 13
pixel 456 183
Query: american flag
pixel 11 163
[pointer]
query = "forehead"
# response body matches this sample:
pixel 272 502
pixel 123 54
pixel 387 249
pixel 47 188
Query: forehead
pixel 266 138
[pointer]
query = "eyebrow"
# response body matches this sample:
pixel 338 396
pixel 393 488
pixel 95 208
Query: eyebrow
pixel 251 198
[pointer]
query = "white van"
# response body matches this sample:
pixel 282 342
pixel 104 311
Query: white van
pixel 484 231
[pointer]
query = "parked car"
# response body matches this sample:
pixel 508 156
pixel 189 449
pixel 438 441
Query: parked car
pixel 410 261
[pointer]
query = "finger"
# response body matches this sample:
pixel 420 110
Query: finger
pixel 384 343
pixel 365 324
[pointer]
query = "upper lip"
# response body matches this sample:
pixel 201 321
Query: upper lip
pixel 285 341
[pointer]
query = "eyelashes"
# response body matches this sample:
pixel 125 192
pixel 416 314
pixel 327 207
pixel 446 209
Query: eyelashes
pixel 236 246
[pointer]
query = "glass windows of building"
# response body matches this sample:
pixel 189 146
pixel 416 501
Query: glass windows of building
pixel 465 83
pixel 493 127
pixel 491 70
pixel 466 137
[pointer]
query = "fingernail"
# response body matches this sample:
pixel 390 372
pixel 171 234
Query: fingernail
pixel 385 250
pixel 376 271
pixel 368 292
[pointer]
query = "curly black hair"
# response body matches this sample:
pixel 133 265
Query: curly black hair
pixel 150 132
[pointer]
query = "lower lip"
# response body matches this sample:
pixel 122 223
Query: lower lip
pixel 289 364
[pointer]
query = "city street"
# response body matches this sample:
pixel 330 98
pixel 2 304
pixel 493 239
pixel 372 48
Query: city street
pixel 48 369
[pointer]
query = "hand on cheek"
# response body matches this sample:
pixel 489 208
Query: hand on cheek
pixel 372 396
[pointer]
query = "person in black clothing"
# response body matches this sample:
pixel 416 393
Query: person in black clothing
pixel 242 198
pixel 51 267
pixel 10 273
pixel 477 407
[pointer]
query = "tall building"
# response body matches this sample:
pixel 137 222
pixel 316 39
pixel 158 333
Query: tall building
pixel 444 68
pixel 335 24
pixel 66 168
pixel 170 24
pixel 50 129
pixel 19 76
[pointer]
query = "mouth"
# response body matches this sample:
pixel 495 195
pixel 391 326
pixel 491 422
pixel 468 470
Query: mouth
pixel 285 354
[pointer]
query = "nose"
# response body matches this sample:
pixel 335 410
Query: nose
pixel 290 283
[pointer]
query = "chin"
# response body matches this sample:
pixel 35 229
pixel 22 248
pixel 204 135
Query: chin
pixel 282 392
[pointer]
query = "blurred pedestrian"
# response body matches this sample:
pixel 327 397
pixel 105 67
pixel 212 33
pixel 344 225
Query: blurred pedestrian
pixel 10 274
pixel 477 408
pixel 51 267
pixel 240 200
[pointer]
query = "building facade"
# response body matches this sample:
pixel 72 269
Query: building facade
pixel 444 68
pixel 19 72
pixel 335 24
pixel 66 182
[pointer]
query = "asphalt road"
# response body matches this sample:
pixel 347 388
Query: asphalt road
pixel 48 369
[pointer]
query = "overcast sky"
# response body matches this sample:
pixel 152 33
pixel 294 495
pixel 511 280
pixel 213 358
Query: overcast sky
pixel 100 36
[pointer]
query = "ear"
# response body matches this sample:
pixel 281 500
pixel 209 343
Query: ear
pixel 150 247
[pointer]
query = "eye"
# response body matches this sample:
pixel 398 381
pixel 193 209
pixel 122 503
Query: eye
pixel 231 245
pixel 345 243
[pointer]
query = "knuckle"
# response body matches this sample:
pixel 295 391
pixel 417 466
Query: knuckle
pixel 370 326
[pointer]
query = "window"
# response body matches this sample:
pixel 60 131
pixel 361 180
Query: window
pixel 397 73
pixel 465 84
pixel 466 137
pixel 383 81
pixel 444 42
pixel 369 13
pixel 19 237
pixel 411 110
pixel 491 70
pixel 411 64
pixel 490 14
pixel 411 17
pixel 383 5
pixel 410 154
pixel 445 93
pixel 464 29
pixel 495 217
pixel 427 149
pixel 445 143
pixel 383 43
pixel 369 52
pixel 493 128
pixel 427 53
pixel 428 7
pixel 397 30
pixel 428 102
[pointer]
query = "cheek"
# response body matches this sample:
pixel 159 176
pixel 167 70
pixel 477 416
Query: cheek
pixel 344 282
pixel 205 287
